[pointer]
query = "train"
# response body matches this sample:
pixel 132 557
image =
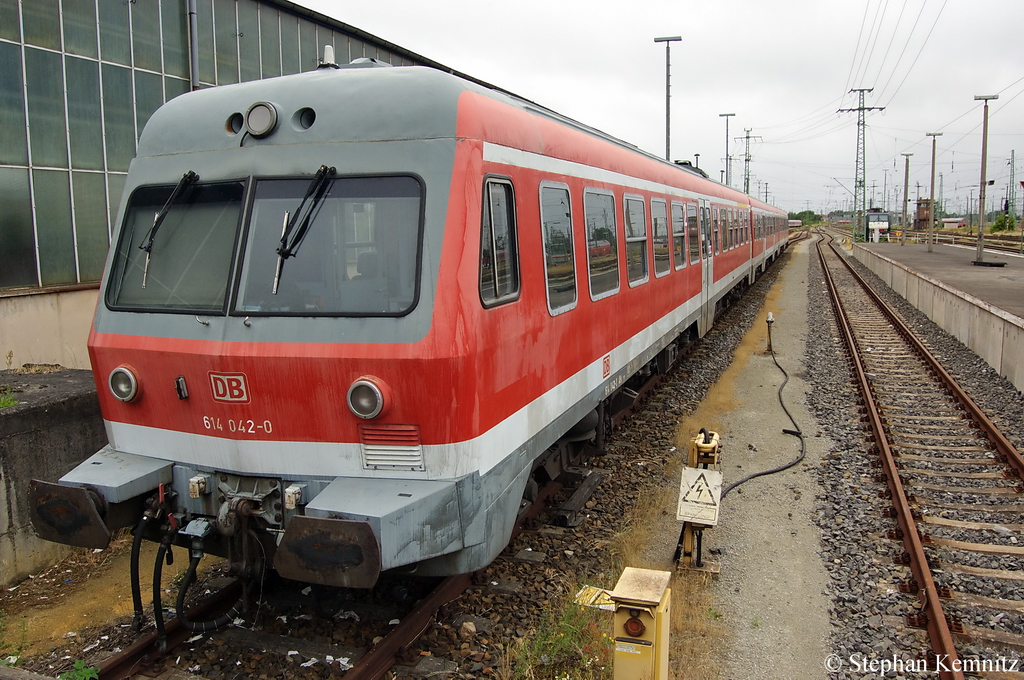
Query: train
pixel 353 319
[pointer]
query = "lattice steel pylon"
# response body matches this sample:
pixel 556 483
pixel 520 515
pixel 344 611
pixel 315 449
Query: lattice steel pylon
pixel 746 159
pixel 860 185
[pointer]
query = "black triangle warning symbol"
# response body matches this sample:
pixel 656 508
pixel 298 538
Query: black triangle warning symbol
pixel 700 492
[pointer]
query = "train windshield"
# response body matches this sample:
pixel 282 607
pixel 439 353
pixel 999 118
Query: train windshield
pixel 358 257
pixel 188 264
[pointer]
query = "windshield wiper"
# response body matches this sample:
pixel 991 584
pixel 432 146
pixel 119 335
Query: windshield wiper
pixel 294 229
pixel 147 242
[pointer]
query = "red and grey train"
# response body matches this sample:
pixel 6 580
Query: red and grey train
pixel 352 317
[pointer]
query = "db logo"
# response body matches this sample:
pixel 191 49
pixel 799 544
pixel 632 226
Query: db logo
pixel 606 367
pixel 230 387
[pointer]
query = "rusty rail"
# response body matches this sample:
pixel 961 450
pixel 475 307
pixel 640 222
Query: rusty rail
pixel 931 608
pixel 143 651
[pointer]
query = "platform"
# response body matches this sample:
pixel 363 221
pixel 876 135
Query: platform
pixel 1001 287
pixel 983 307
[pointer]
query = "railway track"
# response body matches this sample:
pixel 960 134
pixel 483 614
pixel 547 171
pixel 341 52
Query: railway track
pixel 952 482
pixel 505 601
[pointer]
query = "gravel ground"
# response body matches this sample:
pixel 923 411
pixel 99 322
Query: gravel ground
pixel 867 610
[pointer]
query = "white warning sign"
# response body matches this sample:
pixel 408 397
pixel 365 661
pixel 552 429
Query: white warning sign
pixel 700 494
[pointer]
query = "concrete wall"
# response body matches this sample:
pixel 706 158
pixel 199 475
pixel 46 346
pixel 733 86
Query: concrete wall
pixel 993 334
pixel 56 425
pixel 47 328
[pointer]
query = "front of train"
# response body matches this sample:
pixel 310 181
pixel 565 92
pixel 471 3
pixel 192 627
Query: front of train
pixel 274 380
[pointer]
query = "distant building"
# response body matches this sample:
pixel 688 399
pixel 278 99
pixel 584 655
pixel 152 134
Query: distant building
pixel 79 80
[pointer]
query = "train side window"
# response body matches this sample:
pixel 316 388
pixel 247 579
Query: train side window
pixel 692 229
pixel 636 241
pixel 499 253
pixel 729 229
pixel 602 243
pixel 662 248
pixel 679 234
pixel 716 230
pixel 559 264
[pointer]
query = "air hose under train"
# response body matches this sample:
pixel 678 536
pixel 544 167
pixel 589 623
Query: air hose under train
pixel 794 432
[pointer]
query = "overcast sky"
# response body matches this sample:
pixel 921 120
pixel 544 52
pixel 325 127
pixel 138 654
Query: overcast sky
pixel 784 67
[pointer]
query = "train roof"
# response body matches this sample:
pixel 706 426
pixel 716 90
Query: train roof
pixel 365 101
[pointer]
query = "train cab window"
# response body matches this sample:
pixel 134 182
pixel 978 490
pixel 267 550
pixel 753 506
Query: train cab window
pixel 602 246
pixel 692 229
pixel 659 227
pixel 559 264
pixel 499 253
pixel 187 265
pixel 636 241
pixel 354 252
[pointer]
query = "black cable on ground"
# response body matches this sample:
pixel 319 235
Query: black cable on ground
pixel 795 432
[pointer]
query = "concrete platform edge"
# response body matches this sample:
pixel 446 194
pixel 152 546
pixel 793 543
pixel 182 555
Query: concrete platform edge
pixel 997 336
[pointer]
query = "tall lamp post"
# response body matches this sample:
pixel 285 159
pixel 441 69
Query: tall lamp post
pixel 906 187
pixel 668 82
pixel 980 256
pixel 931 195
pixel 728 158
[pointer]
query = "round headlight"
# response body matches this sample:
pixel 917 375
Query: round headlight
pixel 261 119
pixel 123 384
pixel 369 398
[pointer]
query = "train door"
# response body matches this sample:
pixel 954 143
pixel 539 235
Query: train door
pixel 707 306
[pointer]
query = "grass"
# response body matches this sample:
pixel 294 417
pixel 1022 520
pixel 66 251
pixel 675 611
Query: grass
pixel 80 672
pixel 571 643
pixel 5 397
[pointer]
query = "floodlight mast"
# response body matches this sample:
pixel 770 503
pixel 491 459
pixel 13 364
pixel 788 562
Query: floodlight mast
pixel 668 40
pixel 980 255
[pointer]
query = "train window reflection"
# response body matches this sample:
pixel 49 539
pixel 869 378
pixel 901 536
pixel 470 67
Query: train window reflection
pixel 190 260
pixel 560 267
pixel 359 256
pixel 679 233
pixel 636 241
pixel 659 226
pixel 499 261
pixel 693 228
pixel 602 246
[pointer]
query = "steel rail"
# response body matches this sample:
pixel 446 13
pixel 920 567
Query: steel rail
pixel 382 656
pixel 931 608
pixel 1006 450
pixel 143 651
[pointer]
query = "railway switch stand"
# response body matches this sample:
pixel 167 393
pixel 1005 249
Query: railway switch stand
pixel 641 624
pixel 700 493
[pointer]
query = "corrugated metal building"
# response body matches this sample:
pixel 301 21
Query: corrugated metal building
pixel 78 81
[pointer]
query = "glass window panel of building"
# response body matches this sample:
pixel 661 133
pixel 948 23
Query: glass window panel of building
pixel 111 63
